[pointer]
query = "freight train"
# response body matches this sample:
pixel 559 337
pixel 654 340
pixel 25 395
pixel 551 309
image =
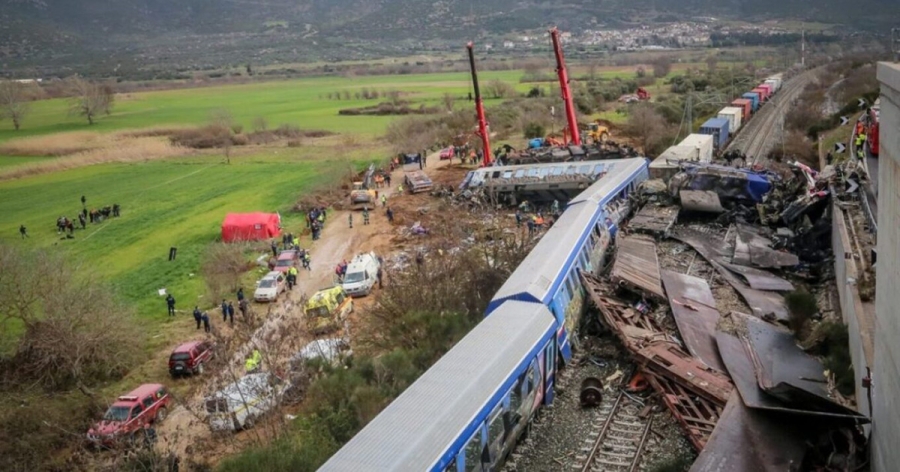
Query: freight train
pixel 716 133
pixel 468 410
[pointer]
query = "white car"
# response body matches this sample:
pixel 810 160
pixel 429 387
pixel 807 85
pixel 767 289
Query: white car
pixel 270 286
pixel 362 275
pixel 240 404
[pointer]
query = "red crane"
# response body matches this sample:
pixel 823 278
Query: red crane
pixel 479 109
pixel 564 87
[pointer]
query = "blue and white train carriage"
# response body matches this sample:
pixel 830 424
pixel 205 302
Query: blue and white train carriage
pixel 577 241
pixel 466 412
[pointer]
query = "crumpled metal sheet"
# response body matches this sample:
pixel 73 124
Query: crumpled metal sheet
pixel 693 308
pixel 760 279
pixel 637 266
pixel 784 371
pixel 735 354
pixel 747 440
pixel 654 219
pixel 705 201
pixel 764 304
pixel 751 248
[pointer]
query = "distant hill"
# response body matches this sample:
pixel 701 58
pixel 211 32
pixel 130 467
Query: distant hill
pixel 40 31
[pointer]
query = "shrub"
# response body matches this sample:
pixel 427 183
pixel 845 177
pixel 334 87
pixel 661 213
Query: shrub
pixel 801 307
pixel 533 130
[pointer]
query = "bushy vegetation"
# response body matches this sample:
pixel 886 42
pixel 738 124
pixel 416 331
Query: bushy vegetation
pixel 801 307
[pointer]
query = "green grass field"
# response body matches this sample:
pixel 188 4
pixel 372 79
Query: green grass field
pixel 301 102
pixel 176 202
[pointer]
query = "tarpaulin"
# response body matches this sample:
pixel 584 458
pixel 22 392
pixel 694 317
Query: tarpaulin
pixel 250 226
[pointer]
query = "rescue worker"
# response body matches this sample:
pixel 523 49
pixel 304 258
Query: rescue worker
pixel 390 216
pixel 365 215
pixel 240 294
pixel 170 302
pixel 383 201
pixel 198 317
pixel 231 313
pixel 253 361
pixel 205 318
pixel 400 189
pixel 296 242
pixel 518 218
pixel 243 306
pixel 274 249
pixel 306 261
pixel 292 277
pixel 350 219
pixel 224 311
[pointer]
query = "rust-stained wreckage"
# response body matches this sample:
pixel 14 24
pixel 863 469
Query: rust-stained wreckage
pixel 747 396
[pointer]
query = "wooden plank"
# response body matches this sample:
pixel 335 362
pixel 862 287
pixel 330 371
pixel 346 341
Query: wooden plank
pixel 637 266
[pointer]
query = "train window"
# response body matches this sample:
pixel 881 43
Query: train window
pixel 551 357
pixel 533 172
pixel 520 173
pixel 533 376
pixel 495 175
pixel 495 428
pixel 515 396
pixel 451 467
pixel 584 169
pixel 571 170
pixel 507 174
pixel 598 169
pixel 556 170
pixel 473 452
pixel 544 171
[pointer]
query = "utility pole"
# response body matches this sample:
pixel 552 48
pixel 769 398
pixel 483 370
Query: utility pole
pixel 803 48
pixel 895 43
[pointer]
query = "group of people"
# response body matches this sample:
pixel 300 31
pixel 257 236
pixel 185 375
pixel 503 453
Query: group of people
pixel 535 222
pixel 66 225
pixel 383 178
pixel 341 270
pixel 202 317
pixel 315 221
pixel 861 139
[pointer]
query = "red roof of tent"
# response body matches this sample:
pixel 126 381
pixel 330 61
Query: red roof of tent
pixel 250 226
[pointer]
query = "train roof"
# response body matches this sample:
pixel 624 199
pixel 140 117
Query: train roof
pixel 534 277
pixel 418 428
pixel 618 171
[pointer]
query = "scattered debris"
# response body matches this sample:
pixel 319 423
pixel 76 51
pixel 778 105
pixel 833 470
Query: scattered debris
pixel 704 201
pixel 654 219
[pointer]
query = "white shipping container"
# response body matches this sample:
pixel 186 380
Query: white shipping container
pixel 703 143
pixel 661 168
pixel 775 80
pixel 733 115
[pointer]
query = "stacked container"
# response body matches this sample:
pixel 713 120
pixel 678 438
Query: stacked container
pixel 718 129
pixel 702 143
pixel 746 107
pixel 734 116
pixel 754 98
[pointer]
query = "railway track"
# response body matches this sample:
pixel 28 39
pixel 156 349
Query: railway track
pixel 618 439
pixel 759 137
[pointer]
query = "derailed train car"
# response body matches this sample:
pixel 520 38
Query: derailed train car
pixel 468 410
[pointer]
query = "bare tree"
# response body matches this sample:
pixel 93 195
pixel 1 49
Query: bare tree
pixel 88 98
pixel 449 100
pixel 661 67
pixel 13 102
pixel 647 125
pixel 75 332
pixel 222 124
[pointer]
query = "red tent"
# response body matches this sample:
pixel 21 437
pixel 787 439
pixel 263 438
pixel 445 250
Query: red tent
pixel 250 226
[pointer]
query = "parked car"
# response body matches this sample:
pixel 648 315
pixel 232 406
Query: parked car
pixel 361 275
pixel 447 153
pixel 286 260
pixel 131 414
pixel 270 286
pixel 240 404
pixel 188 358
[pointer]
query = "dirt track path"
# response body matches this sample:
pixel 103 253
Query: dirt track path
pixel 185 431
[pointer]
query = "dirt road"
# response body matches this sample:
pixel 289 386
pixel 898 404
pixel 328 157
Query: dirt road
pixel 185 431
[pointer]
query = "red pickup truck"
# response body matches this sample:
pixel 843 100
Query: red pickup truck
pixel 130 415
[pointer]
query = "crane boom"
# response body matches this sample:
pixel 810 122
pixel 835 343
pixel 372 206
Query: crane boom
pixel 479 109
pixel 564 87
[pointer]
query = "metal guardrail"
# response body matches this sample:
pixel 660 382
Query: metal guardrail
pixel 865 187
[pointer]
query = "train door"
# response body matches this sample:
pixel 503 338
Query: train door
pixel 550 366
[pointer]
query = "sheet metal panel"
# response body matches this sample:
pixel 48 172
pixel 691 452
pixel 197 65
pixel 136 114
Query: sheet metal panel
pixel 637 265
pixel 746 440
pixel 417 428
pixel 695 313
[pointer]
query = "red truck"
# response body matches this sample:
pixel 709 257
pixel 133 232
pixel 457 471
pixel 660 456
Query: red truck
pixel 130 415
pixel 188 358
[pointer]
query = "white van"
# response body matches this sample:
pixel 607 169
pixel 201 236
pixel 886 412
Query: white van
pixel 239 404
pixel 361 275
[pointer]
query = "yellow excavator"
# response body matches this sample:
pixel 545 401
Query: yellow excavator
pixel 363 194
pixel 598 132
